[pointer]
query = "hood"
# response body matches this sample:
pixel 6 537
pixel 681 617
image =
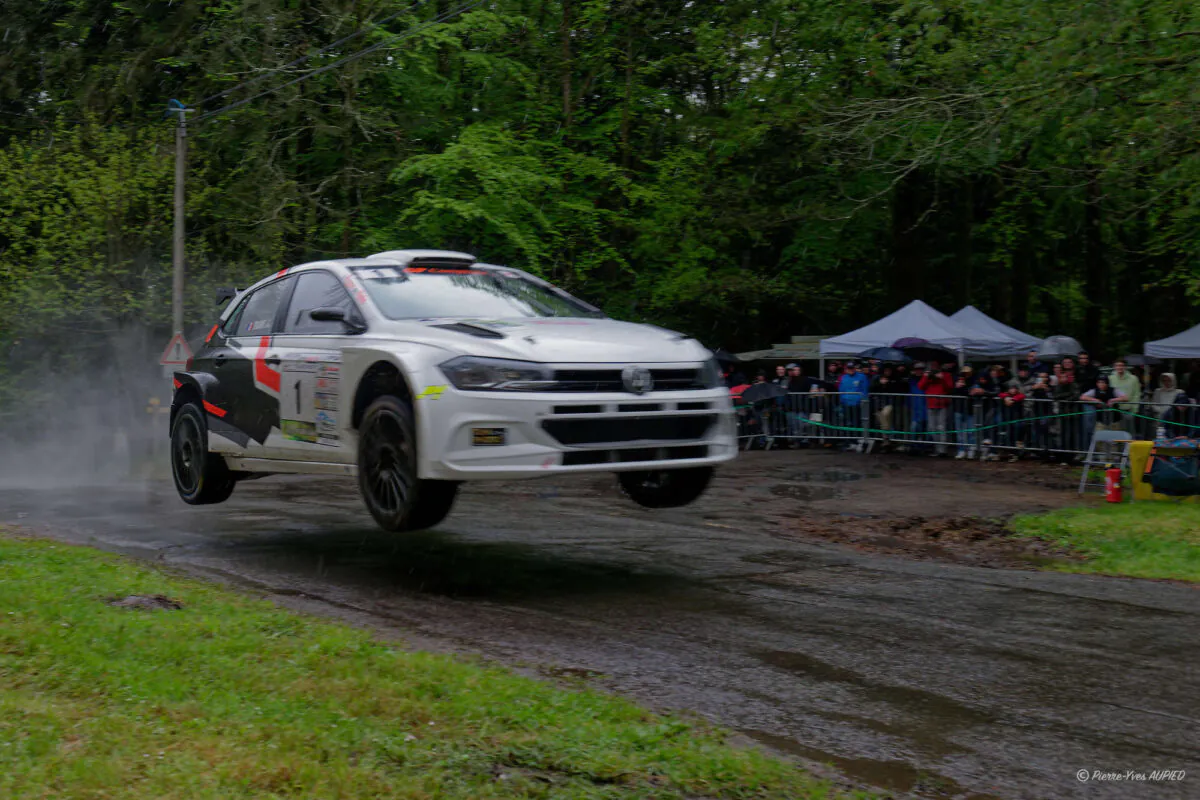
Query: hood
pixel 561 340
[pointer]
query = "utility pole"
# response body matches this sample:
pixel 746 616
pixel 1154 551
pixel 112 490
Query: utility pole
pixel 177 253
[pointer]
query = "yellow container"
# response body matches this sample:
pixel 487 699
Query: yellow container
pixel 1139 454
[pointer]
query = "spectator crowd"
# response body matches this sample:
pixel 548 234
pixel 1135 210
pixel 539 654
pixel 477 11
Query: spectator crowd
pixel 1047 409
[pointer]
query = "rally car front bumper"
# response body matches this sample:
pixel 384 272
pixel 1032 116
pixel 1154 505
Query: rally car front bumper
pixel 501 435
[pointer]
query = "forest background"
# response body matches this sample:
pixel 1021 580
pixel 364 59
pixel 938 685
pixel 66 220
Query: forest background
pixel 742 171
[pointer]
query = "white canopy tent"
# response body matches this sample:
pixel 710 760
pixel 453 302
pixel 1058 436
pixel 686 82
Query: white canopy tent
pixel 1005 341
pixel 917 319
pixel 1181 345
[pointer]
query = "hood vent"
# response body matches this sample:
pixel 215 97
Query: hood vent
pixel 471 330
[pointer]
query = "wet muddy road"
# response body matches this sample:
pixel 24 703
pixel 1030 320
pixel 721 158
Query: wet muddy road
pixel 939 679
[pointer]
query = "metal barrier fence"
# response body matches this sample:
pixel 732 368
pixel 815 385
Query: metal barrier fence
pixel 948 424
pixel 821 418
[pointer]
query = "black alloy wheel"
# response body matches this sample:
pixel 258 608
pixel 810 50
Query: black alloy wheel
pixel 387 462
pixel 665 488
pixel 201 477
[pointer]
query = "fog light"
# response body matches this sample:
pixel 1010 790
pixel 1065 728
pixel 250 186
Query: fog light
pixel 489 437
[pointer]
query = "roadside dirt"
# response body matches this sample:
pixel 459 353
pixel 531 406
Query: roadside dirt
pixel 921 508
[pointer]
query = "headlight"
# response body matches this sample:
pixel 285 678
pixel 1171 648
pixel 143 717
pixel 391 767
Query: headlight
pixel 709 375
pixel 477 374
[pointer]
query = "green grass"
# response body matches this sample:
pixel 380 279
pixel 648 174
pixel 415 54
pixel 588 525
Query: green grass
pixel 231 697
pixel 1141 540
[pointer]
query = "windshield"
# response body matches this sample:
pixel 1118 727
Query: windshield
pixel 468 291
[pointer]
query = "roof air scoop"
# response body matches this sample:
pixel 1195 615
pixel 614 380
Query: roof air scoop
pixel 406 257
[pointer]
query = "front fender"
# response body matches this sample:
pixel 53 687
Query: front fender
pixel 188 385
pixel 416 363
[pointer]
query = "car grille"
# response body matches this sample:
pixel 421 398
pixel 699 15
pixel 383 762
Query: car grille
pixel 609 380
pixel 633 456
pixel 605 430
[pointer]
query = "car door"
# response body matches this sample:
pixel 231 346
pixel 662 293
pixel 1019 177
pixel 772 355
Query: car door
pixel 249 367
pixel 310 352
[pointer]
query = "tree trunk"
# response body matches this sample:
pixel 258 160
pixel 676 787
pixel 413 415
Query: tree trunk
pixel 564 38
pixel 443 54
pixel 906 277
pixel 1018 281
pixel 964 221
pixel 626 105
pixel 1095 280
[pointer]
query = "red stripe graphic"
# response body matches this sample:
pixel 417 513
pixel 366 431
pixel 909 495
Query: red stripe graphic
pixel 282 272
pixel 210 408
pixel 176 382
pixel 262 373
pixel 211 333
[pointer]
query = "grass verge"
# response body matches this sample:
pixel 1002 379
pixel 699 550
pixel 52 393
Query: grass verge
pixel 1140 540
pixel 231 697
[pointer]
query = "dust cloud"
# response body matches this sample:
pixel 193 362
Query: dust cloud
pixel 92 418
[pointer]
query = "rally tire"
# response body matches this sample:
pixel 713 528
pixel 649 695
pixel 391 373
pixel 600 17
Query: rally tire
pixel 387 463
pixel 434 501
pixel 201 478
pixel 665 488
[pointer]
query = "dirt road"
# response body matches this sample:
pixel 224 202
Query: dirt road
pixel 914 674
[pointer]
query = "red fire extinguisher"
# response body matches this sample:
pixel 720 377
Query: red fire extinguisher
pixel 1112 484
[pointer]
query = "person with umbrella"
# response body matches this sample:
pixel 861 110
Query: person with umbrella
pixel 726 361
pixel 762 399
pixel 853 388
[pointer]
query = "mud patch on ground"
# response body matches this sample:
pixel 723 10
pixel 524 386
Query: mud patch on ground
pixel 963 539
pixel 913 506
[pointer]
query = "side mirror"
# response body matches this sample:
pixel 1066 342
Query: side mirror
pixel 334 314
pixel 225 294
pixel 328 314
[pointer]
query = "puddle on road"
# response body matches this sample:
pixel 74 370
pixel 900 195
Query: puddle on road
pixel 943 712
pixel 924 722
pixel 807 493
pixel 833 475
pixel 819 484
pixel 895 776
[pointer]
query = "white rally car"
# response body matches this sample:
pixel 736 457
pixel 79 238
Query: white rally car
pixel 418 369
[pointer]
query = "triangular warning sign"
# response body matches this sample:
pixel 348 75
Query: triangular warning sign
pixel 177 353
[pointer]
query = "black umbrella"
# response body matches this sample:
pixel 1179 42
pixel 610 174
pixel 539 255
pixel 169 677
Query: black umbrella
pixel 922 350
pixel 725 358
pixel 763 391
pixel 1136 360
pixel 892 354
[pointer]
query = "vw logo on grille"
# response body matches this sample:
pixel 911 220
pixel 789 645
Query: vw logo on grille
pixel 637 380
